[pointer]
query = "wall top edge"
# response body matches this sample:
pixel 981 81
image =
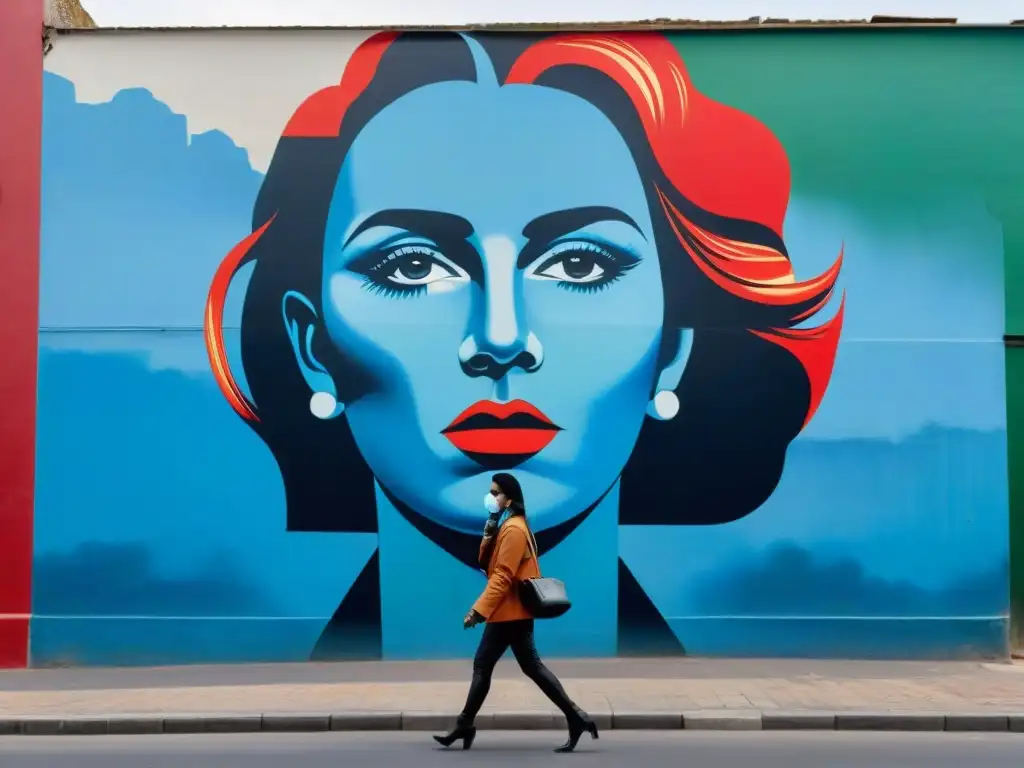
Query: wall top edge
pixel 756 23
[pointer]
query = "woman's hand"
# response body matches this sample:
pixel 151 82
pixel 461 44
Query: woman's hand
pixel 491 525
pixel 472 619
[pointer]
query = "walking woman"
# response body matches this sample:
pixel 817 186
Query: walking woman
pixel 508 552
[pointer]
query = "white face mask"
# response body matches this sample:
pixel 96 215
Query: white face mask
pixel 491 504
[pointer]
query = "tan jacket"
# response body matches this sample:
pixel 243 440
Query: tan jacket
pixel 511 561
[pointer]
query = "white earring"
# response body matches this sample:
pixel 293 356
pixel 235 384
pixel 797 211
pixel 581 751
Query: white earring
pixel 666 405
pixel 324 405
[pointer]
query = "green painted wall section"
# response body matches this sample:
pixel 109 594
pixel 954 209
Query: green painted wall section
pixel 1015 447
pixel 910 102
pixel 823 94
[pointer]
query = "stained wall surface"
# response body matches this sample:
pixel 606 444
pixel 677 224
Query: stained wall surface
pixel 730 306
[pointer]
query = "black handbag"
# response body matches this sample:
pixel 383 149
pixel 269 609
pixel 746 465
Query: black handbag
pixel 544 597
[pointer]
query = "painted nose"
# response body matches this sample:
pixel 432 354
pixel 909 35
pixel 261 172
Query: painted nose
pixel 499 340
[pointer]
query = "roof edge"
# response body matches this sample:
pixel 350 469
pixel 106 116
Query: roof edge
pixel 663 24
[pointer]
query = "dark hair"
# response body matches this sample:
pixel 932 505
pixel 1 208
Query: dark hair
pixel 511 488
pixel 744 397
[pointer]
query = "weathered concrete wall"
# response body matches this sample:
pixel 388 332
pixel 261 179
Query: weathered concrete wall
pixel 66 14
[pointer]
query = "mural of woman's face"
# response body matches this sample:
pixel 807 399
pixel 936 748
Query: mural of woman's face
pixel 489 261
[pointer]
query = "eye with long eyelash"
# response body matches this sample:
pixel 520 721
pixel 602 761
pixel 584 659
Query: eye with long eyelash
pixel 378 270
pixel 612 263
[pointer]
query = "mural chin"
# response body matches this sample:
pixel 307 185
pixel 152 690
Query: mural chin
pixel 456 505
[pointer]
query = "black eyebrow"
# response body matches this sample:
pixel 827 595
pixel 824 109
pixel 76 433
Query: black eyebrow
pixel 551 226
pixel 436 225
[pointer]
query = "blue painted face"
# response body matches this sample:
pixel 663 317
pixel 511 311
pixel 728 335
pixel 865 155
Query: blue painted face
pixel 489 259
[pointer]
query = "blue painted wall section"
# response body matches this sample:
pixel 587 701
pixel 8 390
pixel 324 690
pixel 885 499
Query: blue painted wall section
pixel 517 254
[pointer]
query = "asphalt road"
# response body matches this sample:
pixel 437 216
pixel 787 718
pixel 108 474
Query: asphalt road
pixel 613 750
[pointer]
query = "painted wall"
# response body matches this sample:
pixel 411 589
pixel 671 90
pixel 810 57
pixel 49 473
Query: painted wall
pixel 729 305
pixel 1013 237
pixel 21 95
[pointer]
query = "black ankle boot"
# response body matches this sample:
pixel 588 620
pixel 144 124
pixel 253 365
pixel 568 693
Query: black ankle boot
pixel 577 727
pixel 465 732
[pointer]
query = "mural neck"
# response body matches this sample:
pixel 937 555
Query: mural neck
pixel 425 592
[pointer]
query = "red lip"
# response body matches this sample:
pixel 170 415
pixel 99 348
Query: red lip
pixel 514 429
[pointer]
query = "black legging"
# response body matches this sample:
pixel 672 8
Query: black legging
pixel 497 638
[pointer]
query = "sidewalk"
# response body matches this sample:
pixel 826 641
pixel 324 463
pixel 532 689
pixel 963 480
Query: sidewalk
pixel 734 694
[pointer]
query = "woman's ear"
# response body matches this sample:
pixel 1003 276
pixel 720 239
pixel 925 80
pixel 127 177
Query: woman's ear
pixel 301 323
pixel 664 404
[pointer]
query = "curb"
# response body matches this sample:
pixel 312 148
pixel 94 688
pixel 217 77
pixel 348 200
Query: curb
pixel 703 720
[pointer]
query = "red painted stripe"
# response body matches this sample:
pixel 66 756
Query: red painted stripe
pixel 20 132
pixel 13 641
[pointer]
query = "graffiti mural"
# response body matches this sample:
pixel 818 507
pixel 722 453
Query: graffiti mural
pixel 568 256
pixel 459 271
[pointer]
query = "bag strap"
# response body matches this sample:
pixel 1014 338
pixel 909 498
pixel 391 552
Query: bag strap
pixel 531 543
